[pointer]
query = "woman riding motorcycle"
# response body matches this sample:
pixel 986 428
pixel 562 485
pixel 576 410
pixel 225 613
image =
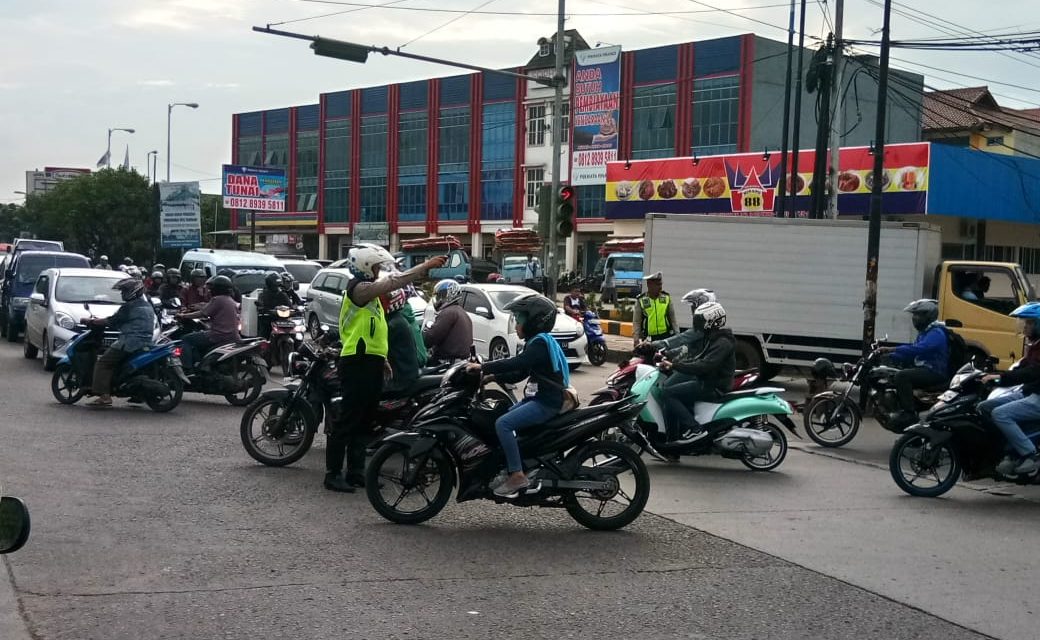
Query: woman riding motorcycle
pixel 451 334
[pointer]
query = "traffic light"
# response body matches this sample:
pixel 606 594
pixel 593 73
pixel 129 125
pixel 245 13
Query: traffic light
pixel 545 210
pixel 565 212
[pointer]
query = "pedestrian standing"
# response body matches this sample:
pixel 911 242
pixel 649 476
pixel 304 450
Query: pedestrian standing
pixel 608 288
pixel 531 272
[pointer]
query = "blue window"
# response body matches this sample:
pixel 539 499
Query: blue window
pixel 716 113
pixel 497 163
pixel 453 157
pixel 306 171
pixel 590 200
pixel 653 122
pixel 373 168
pixel 276 121
pixel 337 105
pixel 337 171
pixel 307 117
pixel 250 124
pixel 413 143
pixel 711 57
pixel 654 65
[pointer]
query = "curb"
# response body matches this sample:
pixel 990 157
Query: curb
pixel 615 328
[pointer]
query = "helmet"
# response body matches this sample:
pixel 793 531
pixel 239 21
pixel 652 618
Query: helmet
pixel 287 280
pixel 364 258
pixel 461 279
pixel 220 285
pixel 103 258
pixel 924 312
pixel 1029 311
pixel 156 276
pixel 129 289
pixel 128 261
pixel 122 268
pixel 535 314
pixel 394 301
pixel 197 273
pixel 697 297
pixel 273 280
pixel 173 275
pixel 446 292
pixel 158 266
pixel 709 315
pixel 135 272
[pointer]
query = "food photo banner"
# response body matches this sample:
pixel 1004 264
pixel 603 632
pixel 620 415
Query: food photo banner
pixel 595 105
pixel 746 184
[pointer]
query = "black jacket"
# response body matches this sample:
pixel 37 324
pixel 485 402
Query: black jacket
pixel 1027 373
pixel 269 299
pixel 714 364
pixel 534 362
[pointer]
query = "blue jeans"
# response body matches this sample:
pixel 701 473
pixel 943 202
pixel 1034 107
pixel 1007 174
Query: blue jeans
pixel 523 415
pixel 193 347
pixel 1009 410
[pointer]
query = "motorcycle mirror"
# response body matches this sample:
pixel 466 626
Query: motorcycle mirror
pixel 14 524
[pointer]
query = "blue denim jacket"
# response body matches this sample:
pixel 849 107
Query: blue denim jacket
pixel 135 321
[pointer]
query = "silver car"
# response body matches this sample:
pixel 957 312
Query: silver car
pixel 60 301
pixel 325 297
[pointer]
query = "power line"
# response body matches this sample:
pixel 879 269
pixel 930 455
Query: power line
pixel 449 22
pixel 963 29
pixel 544 14
pixel 334 13
pixel 735 14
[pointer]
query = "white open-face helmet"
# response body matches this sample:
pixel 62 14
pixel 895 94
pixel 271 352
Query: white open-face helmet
pixel 709 315
pixel 364 258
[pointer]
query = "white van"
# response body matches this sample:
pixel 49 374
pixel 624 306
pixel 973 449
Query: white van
pixel 249 268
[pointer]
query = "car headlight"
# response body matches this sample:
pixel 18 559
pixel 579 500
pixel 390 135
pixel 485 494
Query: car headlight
pixel 65 321
pixel 19 302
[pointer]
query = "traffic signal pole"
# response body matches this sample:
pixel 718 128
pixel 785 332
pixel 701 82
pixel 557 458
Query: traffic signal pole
pixel 549 268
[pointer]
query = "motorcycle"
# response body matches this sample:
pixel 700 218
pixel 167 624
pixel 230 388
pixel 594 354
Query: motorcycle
pixel 597 344
pixel 832 418
pixel 234 370
pixel 740 425
pixel 602 485
pixel 287 331
pixel 952 440
pixel 278 428
pixel 166 312
pixel 149 375
pixel 619 383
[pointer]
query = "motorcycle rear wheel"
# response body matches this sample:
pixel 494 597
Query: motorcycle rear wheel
pixel 830 424
pixel 597 354
pixel 255 378
pixel 776 455
pixel 290 446
pixel 170 401
pixel 65 384
pixel 387 488
pixel 588 463
pixel 911 461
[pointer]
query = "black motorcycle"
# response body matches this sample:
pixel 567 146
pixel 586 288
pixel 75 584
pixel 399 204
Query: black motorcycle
pixel 832 418
pixel 603 485
pixel 234 370
pixel 287 331
pixel 952 440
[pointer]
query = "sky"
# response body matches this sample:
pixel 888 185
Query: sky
pixel 72 69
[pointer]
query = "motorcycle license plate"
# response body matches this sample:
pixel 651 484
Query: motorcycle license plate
pixel 948 396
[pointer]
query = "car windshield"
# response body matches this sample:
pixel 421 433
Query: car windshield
pixel 80 289
pixel 247 280
pixel 303 272
pixel 30 267
pixel 627 264
pixel 502 298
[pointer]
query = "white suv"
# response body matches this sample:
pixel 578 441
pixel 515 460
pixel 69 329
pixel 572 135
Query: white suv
pixel 325 296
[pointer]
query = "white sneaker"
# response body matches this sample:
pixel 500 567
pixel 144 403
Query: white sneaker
pixel 1029 465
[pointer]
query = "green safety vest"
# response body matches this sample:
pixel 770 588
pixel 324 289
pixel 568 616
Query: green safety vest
pixel 655 315
pixel 363 323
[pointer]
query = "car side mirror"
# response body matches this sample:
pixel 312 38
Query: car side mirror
pixel 483 311
pixel 38 298
pixel 14 524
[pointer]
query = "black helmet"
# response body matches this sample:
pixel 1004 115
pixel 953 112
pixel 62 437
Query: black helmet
pixel 173 273
pixel 220 285
pixel 197 273
pixel 923 312
pixel 536 314
pixel 156 276
pixel 273 280
pixel 129 288
pixel 287 280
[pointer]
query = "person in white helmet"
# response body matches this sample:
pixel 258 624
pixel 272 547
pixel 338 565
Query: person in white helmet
pixel 103 264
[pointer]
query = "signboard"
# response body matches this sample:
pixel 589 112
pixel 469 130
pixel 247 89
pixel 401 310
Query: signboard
pixel 40 182
pixel 254 188
pixel 372 232
pixel 745 184
pixel 595 107
pixel 180 215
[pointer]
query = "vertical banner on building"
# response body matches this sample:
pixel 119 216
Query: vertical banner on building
pixel 180 215
pixel 595 107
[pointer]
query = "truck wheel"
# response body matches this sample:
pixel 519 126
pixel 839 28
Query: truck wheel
pixel 748 356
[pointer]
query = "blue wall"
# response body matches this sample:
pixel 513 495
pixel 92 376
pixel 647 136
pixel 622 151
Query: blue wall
pixel 976 184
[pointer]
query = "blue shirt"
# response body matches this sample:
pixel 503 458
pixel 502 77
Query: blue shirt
pixel 929 350
pixel 135 321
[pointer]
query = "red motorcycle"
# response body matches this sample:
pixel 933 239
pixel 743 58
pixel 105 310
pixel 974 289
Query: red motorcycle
pixel 620 382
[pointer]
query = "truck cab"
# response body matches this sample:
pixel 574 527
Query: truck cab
pixel 459 264
pixel 628 272
pixel 975 299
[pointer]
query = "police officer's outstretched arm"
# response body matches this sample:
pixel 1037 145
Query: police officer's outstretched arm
pixel 365 292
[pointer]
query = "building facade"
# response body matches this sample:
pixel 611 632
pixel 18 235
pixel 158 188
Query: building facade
pixel 464 155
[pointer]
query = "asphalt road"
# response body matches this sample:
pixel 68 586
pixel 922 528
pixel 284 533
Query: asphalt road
pixel 160 526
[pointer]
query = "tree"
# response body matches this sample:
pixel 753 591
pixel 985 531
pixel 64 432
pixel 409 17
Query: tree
pixel 12 222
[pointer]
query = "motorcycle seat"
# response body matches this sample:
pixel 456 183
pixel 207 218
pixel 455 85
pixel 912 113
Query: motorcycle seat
pixel 579 414
pixel 749 393
pixel 423 383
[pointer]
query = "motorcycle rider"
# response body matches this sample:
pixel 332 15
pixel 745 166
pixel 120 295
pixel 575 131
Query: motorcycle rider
pixel 223 326
pixel 290 290
pixel 702 375
pixel 451 334
pixel 544 363
pixel 653 317
pixel 135 321
pixel 574 304
pixel 271 297
pixel 692 339
pixel 1008 411
pixel 171 287
pixel 363 333
pixel 153 284
pixel 929 357
pixel 196 295
pixel 103 264
pixel 403 356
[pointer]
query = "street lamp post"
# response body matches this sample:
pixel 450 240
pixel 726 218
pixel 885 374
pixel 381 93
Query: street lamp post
pixel 149 165
pixel 108 152
pixel 169 112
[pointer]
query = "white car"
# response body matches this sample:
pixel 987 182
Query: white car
pixel 303 271
pixel 325 297
pixel 56 306
pixel 494 330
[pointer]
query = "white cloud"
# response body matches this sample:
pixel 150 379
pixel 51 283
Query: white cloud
pixel 156 83
pixel 222 85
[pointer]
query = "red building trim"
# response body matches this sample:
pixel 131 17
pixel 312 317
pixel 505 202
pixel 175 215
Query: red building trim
pixel 393 159
pixel 684 101
pixel 321 163
pixel 433 137
pixel 354 214
pixel 627 83
pixel 291 205
pixel 235 134
pixel 520 148
pixel 476 148
pixel 747 74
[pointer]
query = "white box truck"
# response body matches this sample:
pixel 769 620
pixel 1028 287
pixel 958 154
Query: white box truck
pixel 793 289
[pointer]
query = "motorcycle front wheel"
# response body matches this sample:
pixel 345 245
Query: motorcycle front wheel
pixel 628 480
pixel 406 490
pixel 922 468
pixel 597 354
pixel 253 379
pixel 65 384
pixel 258 432
pixel 831 422
pixel 776 454
pixel 173 397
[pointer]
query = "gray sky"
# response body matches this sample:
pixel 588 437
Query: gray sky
pixel 70 69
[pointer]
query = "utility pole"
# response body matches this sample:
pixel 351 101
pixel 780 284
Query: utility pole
pixel 823 65
pixel 837 120
pixel 796 144
pixel 549 267
pixel 874 228
pixel 781 205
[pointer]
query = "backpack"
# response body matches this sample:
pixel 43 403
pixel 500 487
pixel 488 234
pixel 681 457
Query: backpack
pixel 957 351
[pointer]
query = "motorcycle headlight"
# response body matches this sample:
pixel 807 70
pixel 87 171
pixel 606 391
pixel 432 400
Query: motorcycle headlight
pixel 65 321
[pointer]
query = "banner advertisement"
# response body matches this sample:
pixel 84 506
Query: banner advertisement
pixel 746 184
pixel 595 107
pixel 180 215
pixel 254 188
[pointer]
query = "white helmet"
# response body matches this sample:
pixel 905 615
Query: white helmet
pixel 697 297
pixel 364 258
pixel 709 315
pixel 446 292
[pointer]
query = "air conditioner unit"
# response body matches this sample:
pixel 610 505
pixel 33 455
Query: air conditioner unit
pixel 966 229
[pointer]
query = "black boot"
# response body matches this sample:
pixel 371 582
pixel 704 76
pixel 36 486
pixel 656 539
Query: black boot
pixel 335 482
pixel 355 479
